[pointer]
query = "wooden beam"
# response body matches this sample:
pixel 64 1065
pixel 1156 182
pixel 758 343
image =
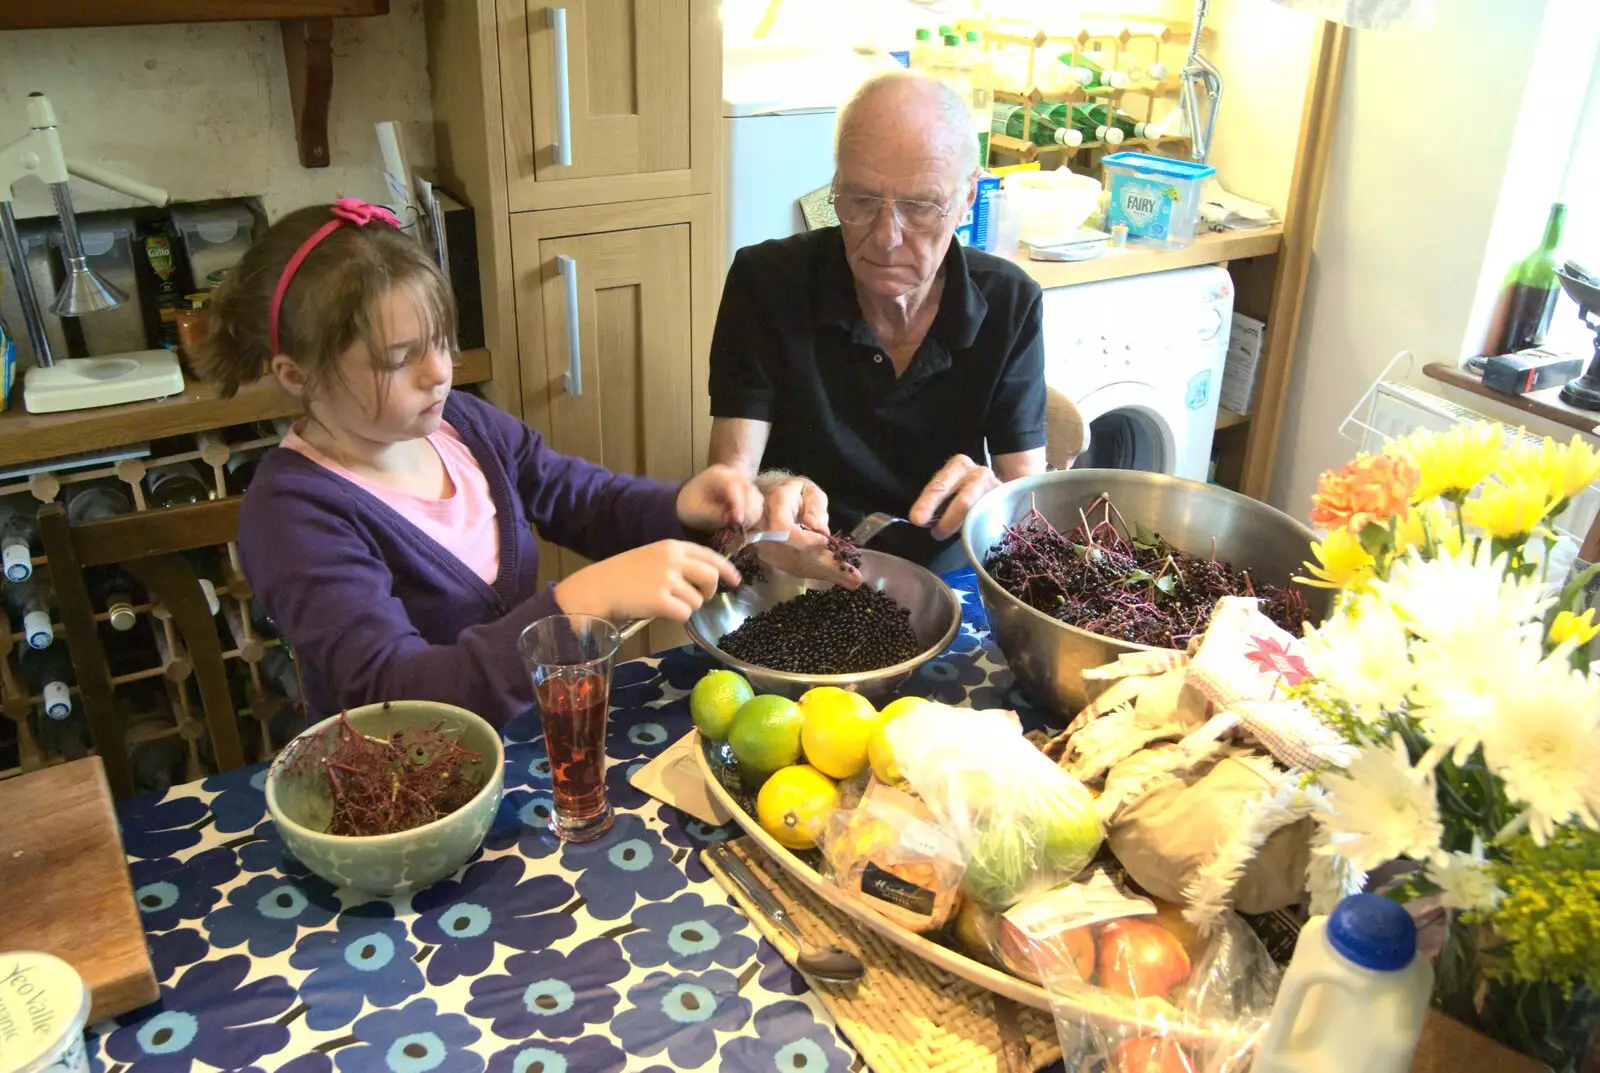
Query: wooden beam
pixel 1294 257
pixel 308 55
pixel 58 14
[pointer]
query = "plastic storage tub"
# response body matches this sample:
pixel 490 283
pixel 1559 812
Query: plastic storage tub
pixel 215 237
pixel 1156 198
pixel 108 249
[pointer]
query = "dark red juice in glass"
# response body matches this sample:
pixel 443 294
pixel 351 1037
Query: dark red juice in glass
pixel 573 711
pixel 569 658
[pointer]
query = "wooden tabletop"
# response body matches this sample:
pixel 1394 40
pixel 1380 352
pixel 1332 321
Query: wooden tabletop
pixel 64 883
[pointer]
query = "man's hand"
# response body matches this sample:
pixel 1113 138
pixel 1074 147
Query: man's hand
pixel 958 485
pixel 719 497
pixel 792 502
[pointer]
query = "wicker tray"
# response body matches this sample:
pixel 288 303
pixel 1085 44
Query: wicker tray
pixel 1108 1011
pixel 905 1015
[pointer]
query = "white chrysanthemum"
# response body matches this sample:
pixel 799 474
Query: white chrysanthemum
pixel 1464 880
pixel 1329 877
pixel 1466 592
pixel 1544 744
pixel 1361 654
pixel 1380 808
pixel 1462 682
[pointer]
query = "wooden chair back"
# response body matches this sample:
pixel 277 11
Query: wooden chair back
pixel 149 546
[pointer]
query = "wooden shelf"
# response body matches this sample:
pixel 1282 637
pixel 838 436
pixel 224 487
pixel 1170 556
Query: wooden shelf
pixel 1211 248
pixel 306 27
pixel 1546 403
pixel 58 14
pixel 26 437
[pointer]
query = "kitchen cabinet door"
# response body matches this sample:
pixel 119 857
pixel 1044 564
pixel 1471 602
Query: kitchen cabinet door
pixel 608 100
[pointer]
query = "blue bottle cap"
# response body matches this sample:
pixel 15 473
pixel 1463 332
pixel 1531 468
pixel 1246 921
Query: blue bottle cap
pixel 1373 932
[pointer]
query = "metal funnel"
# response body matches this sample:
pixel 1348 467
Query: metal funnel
pixel 84 291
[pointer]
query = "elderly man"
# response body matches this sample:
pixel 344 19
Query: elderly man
pixel 876 366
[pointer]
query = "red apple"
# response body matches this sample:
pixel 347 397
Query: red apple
pixel 1139 959
pixel 1025 957
pixel 1150 1055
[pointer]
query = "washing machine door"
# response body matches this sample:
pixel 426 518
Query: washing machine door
pixel 1127 429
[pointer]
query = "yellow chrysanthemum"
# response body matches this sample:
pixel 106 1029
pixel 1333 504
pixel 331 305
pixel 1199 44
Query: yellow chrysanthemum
pixel 1430 523
pixel 1569 627
pixel 1341 562
pixel 1562 469
pixel 1507 511
pixel 1452 462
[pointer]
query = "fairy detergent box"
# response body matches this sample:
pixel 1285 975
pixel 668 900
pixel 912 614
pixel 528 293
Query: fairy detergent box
pixel 1156 198
pixel 973 230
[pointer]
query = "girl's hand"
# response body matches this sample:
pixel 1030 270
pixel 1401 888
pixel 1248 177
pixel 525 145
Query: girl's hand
pixel 669 579
pixel 719 497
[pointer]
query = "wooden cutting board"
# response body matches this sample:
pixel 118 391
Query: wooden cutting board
pixel 64 884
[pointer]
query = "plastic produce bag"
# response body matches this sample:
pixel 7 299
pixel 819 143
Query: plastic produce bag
pixel 889 850
pixel 1134 988
pixel 1023 825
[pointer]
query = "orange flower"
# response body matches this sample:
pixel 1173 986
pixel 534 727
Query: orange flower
pixel 1371 488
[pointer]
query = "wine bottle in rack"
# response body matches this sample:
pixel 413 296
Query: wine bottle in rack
pixel 115 594
pixel 175 484
pixel 47 672
pixel 19 536
pixel 203 562
pixel 278 670
pixel 241 470
pixel 95 501
pixel 66 738
pixel 30 602
pixel 158 759
pixel 10 745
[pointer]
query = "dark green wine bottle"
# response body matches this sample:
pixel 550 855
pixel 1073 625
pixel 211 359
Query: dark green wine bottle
pixel 1534 288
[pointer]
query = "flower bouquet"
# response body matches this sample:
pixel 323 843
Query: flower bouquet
pixel 1460 670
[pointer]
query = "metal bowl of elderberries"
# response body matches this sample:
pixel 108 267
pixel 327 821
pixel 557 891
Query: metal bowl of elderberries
pixel 789 634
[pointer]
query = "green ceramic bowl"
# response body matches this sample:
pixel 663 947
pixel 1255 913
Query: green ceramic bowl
pixel 406 860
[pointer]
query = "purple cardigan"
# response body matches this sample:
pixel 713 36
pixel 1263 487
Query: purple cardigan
pixel 376 610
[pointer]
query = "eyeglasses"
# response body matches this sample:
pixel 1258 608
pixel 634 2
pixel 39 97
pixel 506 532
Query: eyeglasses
pixel 858 209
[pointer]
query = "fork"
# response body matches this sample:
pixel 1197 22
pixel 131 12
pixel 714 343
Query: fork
pixel 872 525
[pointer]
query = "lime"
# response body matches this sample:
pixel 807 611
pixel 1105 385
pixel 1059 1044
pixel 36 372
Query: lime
pixel 765 736
pixel 716 699
pixel 794 803
pixel 838 724
pixel 880 754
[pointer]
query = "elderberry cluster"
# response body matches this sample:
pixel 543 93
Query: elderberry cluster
pixel 827 631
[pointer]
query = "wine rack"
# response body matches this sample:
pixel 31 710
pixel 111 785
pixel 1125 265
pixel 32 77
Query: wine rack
pixel 152 677
pixel 1142 45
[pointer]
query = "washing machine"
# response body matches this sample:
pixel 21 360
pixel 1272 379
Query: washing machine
pixel 1142 358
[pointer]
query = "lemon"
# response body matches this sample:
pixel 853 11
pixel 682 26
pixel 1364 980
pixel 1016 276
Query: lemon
pixel 838 724
pixel 794 803
pixel 716 699
pixel 765 736
pixel 880 754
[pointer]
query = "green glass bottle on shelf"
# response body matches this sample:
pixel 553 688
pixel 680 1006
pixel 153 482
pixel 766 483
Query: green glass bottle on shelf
pixel 175 485
pixel 1091 75
pixel 1534 289
pixel 97 501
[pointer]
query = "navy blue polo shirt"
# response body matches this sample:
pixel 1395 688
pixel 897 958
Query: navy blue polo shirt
pixel 792 348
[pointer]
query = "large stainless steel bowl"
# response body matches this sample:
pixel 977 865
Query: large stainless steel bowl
pixel 935 617
pixel 1047 655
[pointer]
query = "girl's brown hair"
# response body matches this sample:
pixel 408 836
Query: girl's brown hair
pixel 330 304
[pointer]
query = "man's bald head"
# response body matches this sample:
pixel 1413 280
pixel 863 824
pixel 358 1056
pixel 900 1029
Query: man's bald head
pixel 898 106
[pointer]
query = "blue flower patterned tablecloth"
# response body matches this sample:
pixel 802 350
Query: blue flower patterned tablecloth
pixel 537 957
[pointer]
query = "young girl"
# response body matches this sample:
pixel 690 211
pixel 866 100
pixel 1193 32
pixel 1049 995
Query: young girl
pixel 389 537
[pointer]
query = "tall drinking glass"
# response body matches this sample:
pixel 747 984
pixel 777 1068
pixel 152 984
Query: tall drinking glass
pixel 570 659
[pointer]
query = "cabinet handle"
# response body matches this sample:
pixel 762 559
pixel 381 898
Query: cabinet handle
pixel 573 379
pixel 563 142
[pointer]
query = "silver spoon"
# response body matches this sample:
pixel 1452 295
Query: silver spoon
pixel 872 525
pixel 827 964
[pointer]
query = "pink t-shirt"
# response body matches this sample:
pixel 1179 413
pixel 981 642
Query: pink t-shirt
pixel 462 523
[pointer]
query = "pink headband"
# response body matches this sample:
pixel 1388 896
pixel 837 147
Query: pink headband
pixel 345 210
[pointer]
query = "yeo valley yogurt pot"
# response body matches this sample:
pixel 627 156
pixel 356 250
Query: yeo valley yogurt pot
pixel 44 1005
